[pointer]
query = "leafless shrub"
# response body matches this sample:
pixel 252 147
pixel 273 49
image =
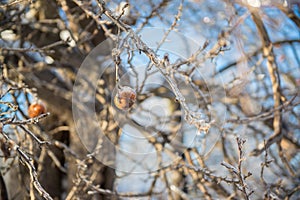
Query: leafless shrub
pixel 213 117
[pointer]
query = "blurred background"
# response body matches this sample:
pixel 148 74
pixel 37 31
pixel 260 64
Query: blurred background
pixel 216 111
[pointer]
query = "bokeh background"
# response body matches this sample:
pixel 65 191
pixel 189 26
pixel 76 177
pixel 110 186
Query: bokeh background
pixel 216 115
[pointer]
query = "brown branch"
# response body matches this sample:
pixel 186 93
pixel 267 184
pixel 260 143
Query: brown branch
pixel 196 178
pixel 33 174
pixel 28 163
pixel 44 49
pixel 274 76
pixel 268 114
pixel 255 53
